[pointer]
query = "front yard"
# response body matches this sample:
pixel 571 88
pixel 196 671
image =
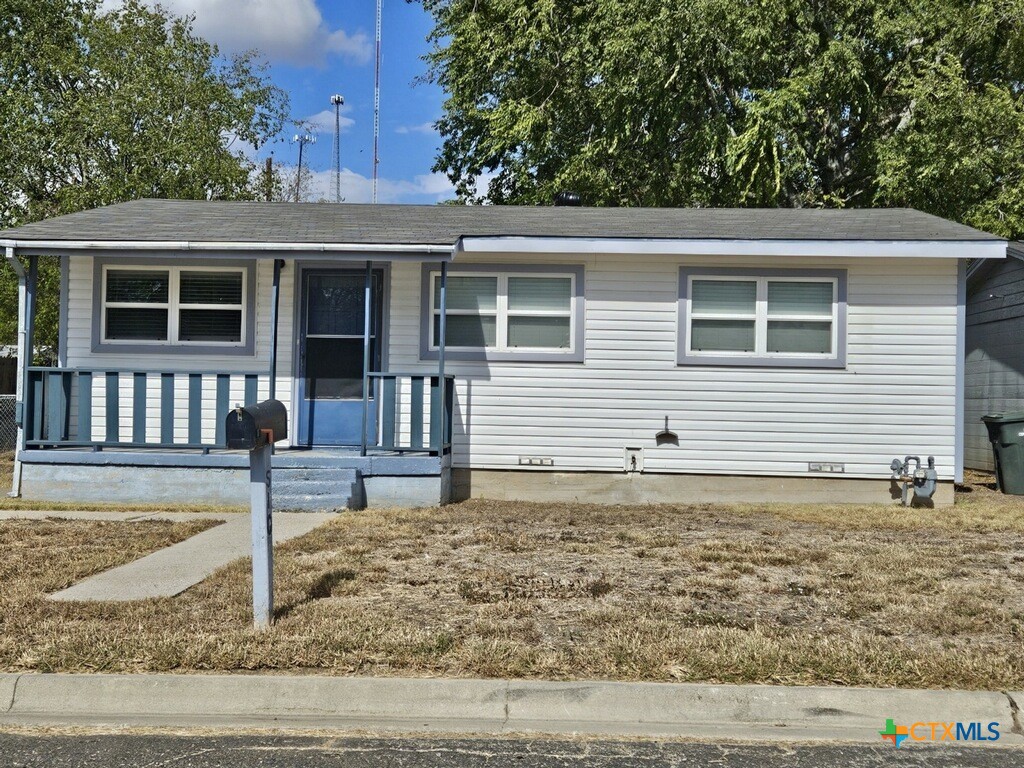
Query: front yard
pixel 776 594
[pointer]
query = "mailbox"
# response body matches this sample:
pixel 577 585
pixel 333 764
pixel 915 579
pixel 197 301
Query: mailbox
pixel 255 426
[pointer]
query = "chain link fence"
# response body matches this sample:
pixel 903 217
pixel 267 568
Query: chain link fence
pixel 8 429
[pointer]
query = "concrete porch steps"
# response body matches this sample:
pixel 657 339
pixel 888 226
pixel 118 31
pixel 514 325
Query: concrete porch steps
pixel 317 490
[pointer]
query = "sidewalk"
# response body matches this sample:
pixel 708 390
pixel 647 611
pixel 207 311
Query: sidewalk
pixel 172 570
pixel 113 516
pixel 667 710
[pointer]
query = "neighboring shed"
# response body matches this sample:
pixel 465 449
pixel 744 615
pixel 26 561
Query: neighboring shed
pixel 994 372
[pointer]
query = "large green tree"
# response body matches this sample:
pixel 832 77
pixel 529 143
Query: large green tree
pixel 737 102
pixel 99 108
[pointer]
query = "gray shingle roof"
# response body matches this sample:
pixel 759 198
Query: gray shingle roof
pixel 255 222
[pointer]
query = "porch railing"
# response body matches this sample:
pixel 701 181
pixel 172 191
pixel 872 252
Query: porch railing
pixel 410 411
pixel 98 408
pixel 101 408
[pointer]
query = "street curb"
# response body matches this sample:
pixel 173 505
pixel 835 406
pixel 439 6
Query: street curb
pixel 754 712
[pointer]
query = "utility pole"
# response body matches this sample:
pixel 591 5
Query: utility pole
pixel 268 191
pixel 302 139
pixel 376 103
pixel 337 100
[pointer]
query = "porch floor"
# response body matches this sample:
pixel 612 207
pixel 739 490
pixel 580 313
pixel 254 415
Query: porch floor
pixel 375 462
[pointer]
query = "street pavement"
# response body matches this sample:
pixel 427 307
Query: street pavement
pixel 91 750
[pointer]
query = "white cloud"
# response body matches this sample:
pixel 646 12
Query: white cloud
pixel 323 122
pixel 427 127
pixel 238 145
pixel 356 188
pixel 293 31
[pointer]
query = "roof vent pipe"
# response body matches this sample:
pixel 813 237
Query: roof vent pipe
pixel 567 198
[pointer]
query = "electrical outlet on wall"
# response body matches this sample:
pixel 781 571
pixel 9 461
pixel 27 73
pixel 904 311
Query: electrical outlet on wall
pixel 634 459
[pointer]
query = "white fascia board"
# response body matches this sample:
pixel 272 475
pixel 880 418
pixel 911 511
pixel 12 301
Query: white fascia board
pixel 905 249
pixel 415 252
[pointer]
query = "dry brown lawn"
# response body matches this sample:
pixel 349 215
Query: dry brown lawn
pixel 38 557
pixel 873 595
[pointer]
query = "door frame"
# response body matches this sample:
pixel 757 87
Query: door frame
pixel 302 265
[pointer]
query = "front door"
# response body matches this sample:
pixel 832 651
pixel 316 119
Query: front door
pixel 331 344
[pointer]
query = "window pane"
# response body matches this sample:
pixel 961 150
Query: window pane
pixel 136 323
pixel 473 293
pixel 806 338
pixel 210 325
pixel 211 288
pixel 539 293
pixel 794 298
pixel 334 368
pixel 546 332
pixel 335 304
pixel 468 330
pixel 141 286
pixel 722 336
pixel 725 297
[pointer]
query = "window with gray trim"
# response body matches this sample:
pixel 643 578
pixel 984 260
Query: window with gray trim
pixel 505 311
pixel 762 317
pixel 174 305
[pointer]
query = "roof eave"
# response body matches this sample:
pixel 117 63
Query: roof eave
pixel 354 251
pixel 859 248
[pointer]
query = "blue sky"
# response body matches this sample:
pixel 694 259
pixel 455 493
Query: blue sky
pixel 319 47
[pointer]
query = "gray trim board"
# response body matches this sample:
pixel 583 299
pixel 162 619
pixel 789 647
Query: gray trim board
pixel 578 354
pixel 246 350
pixel 62 322
pixel 839 361
pixel 961 362
pixel 391 466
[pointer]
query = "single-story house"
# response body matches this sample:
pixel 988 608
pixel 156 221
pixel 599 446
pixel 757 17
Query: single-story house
pixel 434 352
pixel 994 372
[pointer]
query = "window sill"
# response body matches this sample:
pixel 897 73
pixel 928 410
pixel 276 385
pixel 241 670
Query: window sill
pixel 717 361
pixel 494 356
pixel 156 348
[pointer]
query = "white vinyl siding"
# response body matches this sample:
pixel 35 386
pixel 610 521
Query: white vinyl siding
pixel 80 355
pixel 896 394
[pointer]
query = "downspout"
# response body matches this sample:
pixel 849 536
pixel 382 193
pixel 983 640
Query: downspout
pixel 19 386
pixel 961 363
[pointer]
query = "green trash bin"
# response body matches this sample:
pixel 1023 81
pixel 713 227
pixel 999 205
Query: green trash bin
pixel 1006 432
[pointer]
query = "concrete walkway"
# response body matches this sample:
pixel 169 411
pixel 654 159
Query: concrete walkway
pixel 675 710
pixel 111 516
pixel 170 571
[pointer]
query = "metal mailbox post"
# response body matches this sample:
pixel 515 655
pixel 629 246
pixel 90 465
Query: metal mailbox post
pixel 255 428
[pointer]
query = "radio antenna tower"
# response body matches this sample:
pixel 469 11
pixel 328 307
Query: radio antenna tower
pixel 338 101
pixel 376 104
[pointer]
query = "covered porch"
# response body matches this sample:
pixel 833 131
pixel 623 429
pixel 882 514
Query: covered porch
pixel 359 433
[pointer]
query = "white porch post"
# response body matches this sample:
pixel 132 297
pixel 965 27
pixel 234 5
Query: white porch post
pixel 19 385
